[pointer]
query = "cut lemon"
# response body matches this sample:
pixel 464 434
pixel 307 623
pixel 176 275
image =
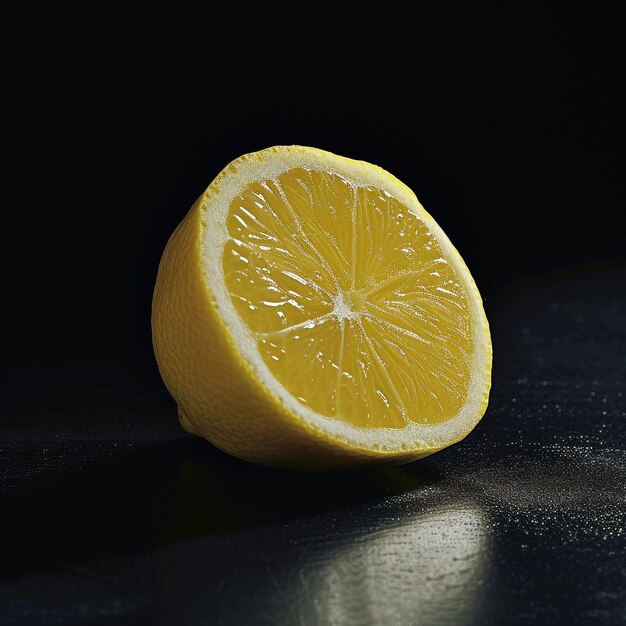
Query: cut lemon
pixel 309 313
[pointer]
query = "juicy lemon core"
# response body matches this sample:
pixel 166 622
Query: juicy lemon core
pixel 351 303
pixel 309 313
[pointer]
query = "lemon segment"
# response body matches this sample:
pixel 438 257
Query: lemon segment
pixel 309 313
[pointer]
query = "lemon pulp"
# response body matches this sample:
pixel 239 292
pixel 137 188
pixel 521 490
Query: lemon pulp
pixel 352 305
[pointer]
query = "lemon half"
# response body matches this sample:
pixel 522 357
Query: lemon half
pixel 309 313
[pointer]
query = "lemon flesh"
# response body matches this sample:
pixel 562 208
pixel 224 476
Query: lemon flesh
pixel 352 305
pixel 309 313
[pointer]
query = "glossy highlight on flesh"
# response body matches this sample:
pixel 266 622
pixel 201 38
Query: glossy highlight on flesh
pixel 352 305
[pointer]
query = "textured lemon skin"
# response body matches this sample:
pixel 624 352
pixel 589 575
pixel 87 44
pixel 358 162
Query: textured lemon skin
pixel 218 394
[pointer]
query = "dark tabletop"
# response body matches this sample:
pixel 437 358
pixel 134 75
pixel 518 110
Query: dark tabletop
pixel 112 514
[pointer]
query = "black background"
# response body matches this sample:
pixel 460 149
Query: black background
pixel 505 119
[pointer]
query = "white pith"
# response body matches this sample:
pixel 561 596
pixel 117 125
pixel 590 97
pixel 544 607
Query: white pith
pixel 269 164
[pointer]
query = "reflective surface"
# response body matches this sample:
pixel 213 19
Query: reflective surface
pixel 110 513
pixel 354 307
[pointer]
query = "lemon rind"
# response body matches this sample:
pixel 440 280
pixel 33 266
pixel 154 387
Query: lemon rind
pixel 214 206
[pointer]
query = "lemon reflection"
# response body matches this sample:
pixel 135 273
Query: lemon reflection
pixel 397 546
pixel 427 569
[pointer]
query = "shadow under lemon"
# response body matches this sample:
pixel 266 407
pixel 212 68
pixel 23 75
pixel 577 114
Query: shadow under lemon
pixel 93 500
